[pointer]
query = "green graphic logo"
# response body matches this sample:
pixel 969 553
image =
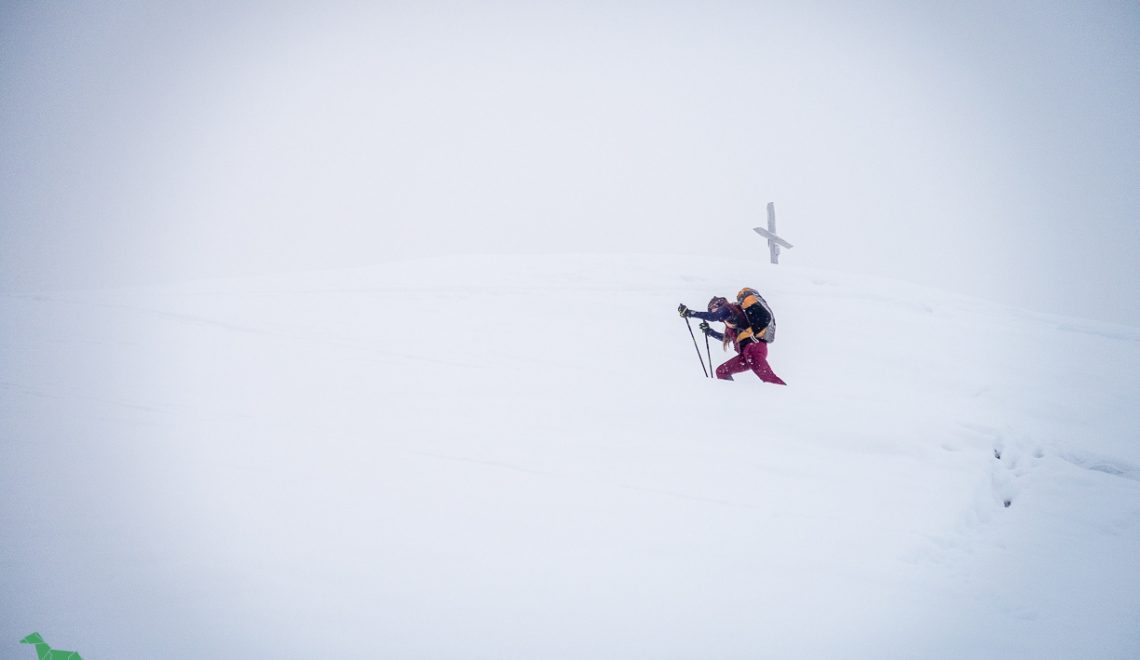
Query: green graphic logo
pixel 45 652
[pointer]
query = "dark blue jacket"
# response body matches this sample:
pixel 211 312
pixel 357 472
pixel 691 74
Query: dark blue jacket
pixel 721 315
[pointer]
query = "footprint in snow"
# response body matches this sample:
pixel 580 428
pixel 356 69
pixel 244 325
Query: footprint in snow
pixel 1017 459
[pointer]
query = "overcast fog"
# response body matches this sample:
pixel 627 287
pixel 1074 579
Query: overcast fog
pixel 986 148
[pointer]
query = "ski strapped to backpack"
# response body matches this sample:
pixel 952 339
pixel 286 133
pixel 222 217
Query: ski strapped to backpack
pixel 761 320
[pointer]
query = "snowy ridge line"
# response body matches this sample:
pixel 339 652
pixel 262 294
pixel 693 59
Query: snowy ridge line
pixel 1103 331
pixel 1115 467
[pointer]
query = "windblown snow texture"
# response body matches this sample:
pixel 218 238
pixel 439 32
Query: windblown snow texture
pixel 519 458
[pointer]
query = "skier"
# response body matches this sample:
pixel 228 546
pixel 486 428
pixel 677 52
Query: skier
pixel 749 324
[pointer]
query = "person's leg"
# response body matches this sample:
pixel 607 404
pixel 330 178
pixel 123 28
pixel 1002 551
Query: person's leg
pixel 756 356
pixel 733 366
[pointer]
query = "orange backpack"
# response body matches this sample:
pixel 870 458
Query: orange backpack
pixel 761 320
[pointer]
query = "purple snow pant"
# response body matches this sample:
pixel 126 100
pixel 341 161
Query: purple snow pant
pixel 754 357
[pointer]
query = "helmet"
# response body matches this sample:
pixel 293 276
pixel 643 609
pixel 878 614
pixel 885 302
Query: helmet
pixel 716 303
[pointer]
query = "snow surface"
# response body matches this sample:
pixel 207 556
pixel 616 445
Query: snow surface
pixel 519 458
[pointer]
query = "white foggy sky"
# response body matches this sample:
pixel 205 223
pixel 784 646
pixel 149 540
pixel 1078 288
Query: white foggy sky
pixel 986 148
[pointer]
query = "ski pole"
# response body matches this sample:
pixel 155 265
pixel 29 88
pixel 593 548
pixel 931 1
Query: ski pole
pixel 709 352
pixel 695 347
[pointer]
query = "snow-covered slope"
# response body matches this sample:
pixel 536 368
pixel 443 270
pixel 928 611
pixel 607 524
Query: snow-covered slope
pixel 519 458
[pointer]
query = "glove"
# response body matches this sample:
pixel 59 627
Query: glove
pixel 704 326
pixel 683 311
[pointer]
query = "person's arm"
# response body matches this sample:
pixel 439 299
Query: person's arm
pixel 710 332
pixel 719 316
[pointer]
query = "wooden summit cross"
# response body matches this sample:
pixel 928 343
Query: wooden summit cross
pixel 774 241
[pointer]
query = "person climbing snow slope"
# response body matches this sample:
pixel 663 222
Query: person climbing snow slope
pixel 749 324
